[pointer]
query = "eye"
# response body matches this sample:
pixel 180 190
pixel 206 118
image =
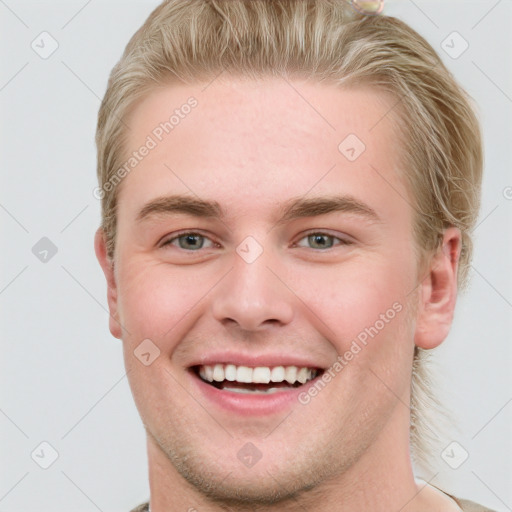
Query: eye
pixel 188 241
pixel 321 240
pixel 192 241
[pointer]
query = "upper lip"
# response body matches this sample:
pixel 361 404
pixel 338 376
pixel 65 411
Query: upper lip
pixel 269 360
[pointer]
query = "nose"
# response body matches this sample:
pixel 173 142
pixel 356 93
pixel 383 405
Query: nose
pixel 253 295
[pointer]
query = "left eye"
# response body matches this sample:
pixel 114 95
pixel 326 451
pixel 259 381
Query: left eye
pixel 324 240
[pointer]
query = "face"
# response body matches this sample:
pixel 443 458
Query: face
pixel 295 249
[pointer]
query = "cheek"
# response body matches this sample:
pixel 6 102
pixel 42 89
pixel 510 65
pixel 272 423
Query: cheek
pixel 365 309
pixel 155 300
pixel 353 297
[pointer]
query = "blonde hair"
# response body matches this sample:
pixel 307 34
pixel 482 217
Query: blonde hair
pixel 324 40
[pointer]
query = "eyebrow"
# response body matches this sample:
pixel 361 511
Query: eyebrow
pixel 292 209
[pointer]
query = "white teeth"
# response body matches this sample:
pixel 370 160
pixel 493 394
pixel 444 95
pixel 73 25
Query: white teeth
pixel 218 373
pixel 258 375
pixel 291 374
pixel 277 374
pixel 244 374
pixel 208 373
pixel 261 375
pixel 230 372
pixel 302 375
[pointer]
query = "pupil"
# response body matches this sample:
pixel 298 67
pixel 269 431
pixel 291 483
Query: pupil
pixel 317 239
pixel 190 240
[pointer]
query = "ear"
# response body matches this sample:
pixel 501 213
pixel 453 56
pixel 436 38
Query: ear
pixel 107 265
pixel 438 293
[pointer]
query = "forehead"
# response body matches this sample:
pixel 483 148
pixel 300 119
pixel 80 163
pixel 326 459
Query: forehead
pixel 245 138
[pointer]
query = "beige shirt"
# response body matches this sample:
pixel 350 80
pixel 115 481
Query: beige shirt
pixel 465 505
pixel 470 506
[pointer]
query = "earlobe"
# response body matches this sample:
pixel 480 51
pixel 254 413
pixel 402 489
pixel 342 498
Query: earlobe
pixel 438 293
pixel 107 265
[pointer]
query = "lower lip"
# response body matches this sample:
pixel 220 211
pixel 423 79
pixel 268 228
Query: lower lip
pixel 248 404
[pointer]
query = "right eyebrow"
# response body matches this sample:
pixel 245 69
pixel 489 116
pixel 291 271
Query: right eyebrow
pixel 181 204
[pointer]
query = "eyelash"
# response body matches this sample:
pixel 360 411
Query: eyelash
pixel 342 241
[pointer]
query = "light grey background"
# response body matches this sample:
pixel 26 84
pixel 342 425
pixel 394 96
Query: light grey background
pixel 62 374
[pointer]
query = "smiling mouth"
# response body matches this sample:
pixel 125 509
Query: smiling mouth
pixel 259 380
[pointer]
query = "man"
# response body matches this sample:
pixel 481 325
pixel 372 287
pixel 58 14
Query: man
pixel 288 189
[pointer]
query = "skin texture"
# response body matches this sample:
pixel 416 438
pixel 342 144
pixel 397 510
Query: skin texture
pixel 251 146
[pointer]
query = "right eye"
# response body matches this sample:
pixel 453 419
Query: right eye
pixel 188 241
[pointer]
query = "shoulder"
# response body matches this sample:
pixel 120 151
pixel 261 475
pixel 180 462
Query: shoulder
pixel 465 505
pixel 470 506
pixel 144 507
pixel 454 502
pixel 461 504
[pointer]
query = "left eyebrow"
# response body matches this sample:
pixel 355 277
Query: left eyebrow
pixel 300 207
pixel 292 209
